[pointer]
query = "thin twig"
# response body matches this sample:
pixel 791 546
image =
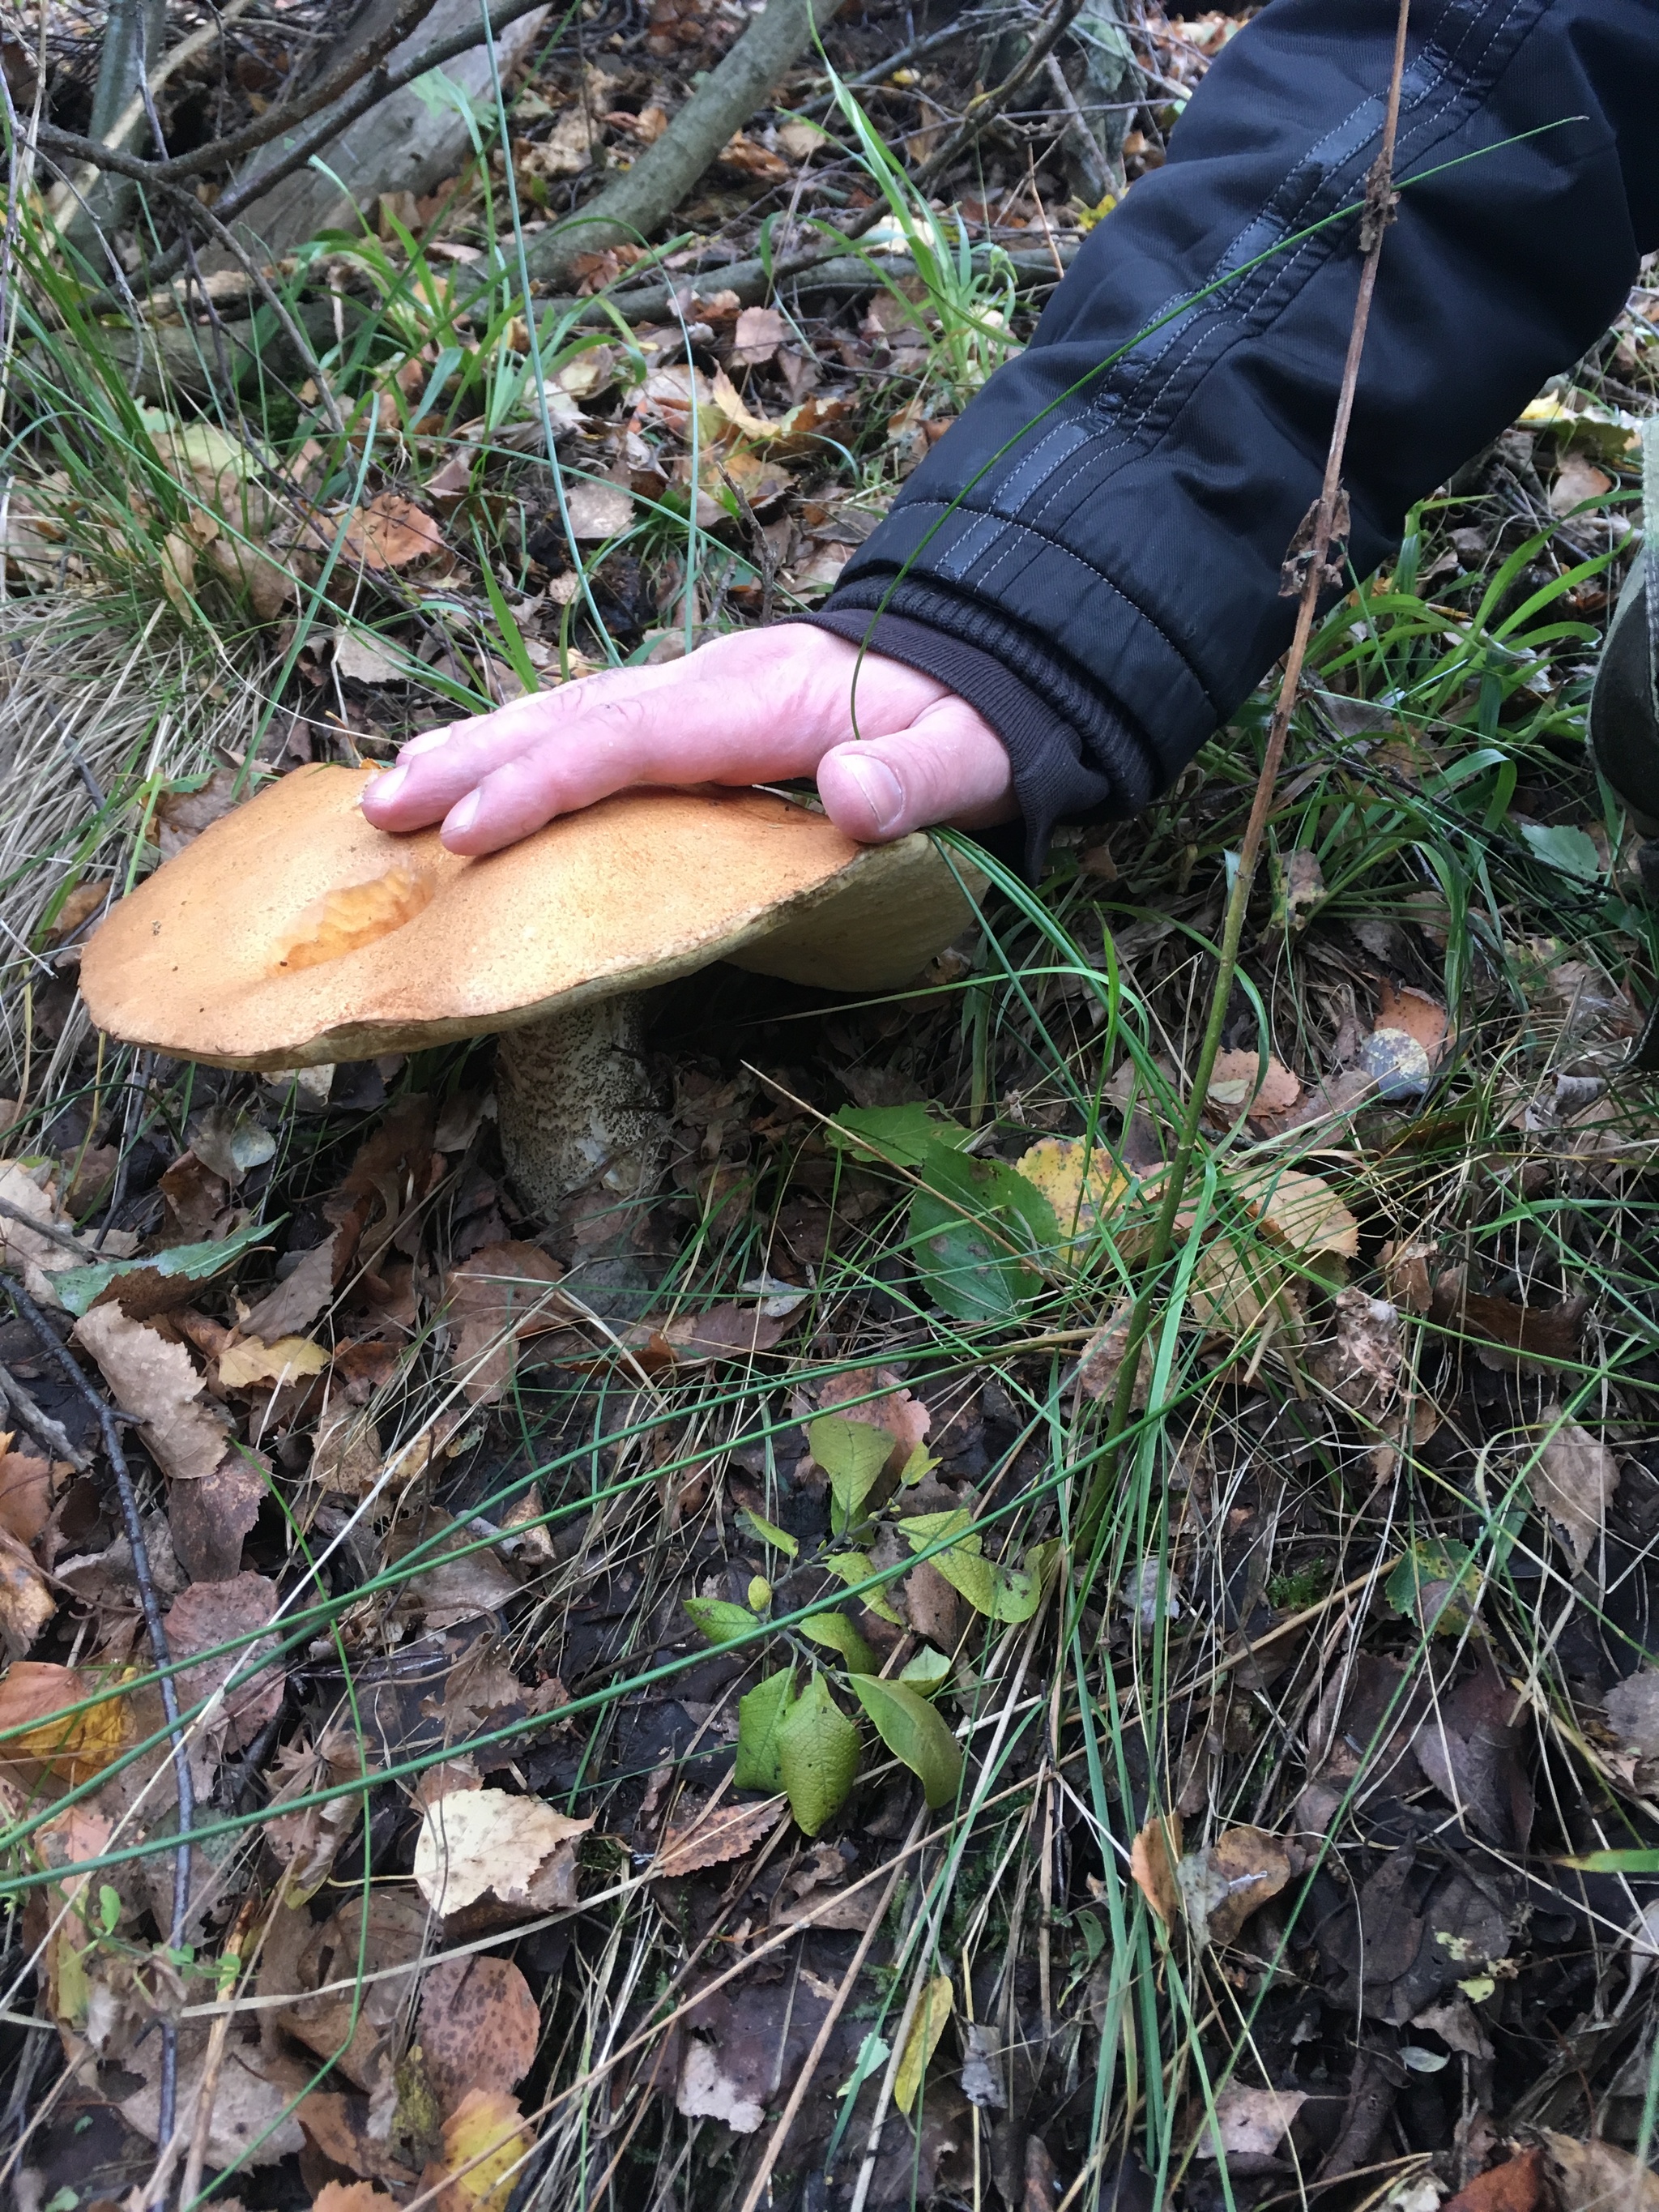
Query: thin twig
pixel 155 1631
pixel 1318 531
pixel 41 1426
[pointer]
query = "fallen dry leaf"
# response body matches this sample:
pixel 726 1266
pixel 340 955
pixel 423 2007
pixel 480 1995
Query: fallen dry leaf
pixel 485 2139
pixel 1298 1210
pixel 356 2022
pixel 1153 1857
pixel 1101 1364
pixel 1598 2177
pixel 709 1838
pixel 1513 2186
pixel 251 2122
pixel 1573 1481
pixel 156 1383
pixel 305 1842
pixel 1249 2123
pixel 1223 1884
pixel 250 1676
pixel 500 1295
pixel 351 2196
pixel 479 2025
pixel 731 1331
pixel 249 1361
pixel 1577 480
pixel 753 160
pixel 1632 1710
pixel 758 333
pixel 209 1520
pixel 1082 1183
pixel 1424 1019
pixel 489 1844
pixel 457 1579
pixel 25 1493
pixel 302 1294
pixel 390 532
pixel 1237 1077
pixel 599 510
pixel 883 1403
pixel 27 1604
pixel 74 1746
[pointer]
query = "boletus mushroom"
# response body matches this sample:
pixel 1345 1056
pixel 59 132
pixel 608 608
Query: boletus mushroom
pixel 293 933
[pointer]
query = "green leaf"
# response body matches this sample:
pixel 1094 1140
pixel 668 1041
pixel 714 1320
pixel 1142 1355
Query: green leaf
pixel 851 1567
pixel 818 1756
pixel 761 1714
pixel 1000 1593
pixel 1632 1862
pixel 853 1455
pixel 834 1631
pixel 769 1533
pixel 900 1136
pixel 928 1672
pixel 914 1733
pixel 974 1226
pixel 719 1620
pixel 79 1288
pixel 1568 852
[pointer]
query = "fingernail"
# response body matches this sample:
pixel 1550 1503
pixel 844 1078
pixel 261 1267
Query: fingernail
pixel 460 819
pixel 428 742
pixel 881 788
pixel 386 786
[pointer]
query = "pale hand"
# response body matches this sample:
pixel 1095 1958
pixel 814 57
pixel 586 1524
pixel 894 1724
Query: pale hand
pixel 760 706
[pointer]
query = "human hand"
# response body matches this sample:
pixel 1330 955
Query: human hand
pixel 754 707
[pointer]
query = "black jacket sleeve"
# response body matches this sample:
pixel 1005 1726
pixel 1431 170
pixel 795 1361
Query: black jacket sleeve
pixel 1107 521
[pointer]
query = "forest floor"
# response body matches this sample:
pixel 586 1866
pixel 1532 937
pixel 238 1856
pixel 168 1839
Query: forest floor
pixel 1280 1827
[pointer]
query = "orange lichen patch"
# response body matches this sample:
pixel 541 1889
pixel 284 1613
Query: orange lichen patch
pixel 362 914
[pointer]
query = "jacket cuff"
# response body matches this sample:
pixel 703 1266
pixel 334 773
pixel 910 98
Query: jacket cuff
pixel 1075 754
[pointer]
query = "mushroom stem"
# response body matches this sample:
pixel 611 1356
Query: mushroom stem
pixel 575 1102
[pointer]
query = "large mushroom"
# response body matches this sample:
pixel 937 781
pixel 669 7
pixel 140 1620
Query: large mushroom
pixel 292 932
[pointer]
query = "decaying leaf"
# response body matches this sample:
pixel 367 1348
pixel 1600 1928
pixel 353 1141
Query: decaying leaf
pixel 479 2027
pixel 1598 2177
pixel 1153 1858
pixel 1221 1885
pixel 248 1361
pixel 1082 1183
pixel 712 1836
pixel 34 1700
pixel 486 1844
pixel 1360 1362
pixel 26 1488
pixel 1573 1480
pixel 1632 1710
pixel 1101 1364
pixel 502 1295
pixel 1238 1078
pixel 250 1674
pixel 27 1604
pixel 485 2141
pixel 156 1383
pixel 928 2024
pixel 390 532
pixel 1249 2123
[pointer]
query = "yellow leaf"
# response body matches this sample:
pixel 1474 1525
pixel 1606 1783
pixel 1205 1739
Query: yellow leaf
pixel 1299 1210
pixel 253 1362
pixel 731 404
pixel 484 2140
pixel 74 1746
pixel 1081 1182
pixel 927 2026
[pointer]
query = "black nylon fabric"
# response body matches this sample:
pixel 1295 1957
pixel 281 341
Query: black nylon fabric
pixel 1121 543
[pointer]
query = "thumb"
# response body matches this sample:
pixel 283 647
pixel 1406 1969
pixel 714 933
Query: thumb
pixel 949 766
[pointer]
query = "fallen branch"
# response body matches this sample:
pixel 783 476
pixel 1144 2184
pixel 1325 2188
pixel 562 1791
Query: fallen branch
pixel 642 199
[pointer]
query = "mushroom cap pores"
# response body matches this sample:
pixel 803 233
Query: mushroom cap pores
pixel 293 932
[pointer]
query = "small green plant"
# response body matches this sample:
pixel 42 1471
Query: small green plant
pixel 792 1733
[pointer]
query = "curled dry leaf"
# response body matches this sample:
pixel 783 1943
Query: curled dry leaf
pixel 712 1835
pixel 1573 1481
pixel 305 1842
pixel 486 1845
pixel 1153 1858
pixel 156 1382
pixel 390 532
pixel 1223 1884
